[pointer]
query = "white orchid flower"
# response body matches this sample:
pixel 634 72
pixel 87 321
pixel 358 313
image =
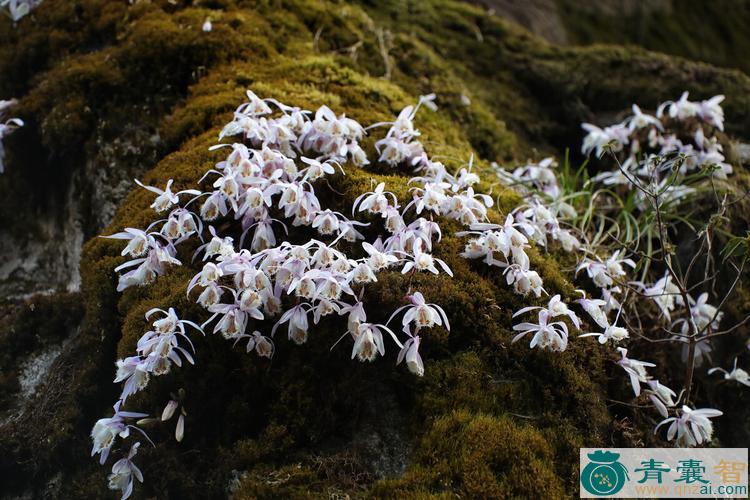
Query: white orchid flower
pixel 737 374
pixel 410 352
pixel 611 332
pixel 123 473
pixel 661 396
pixel 165 198
pixel 423 261
pixel 635 369
pixel 421 313
pixel 690 427
pixel 551 335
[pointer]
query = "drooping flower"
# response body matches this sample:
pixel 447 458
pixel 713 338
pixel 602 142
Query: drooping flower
pixel 423 261
pixel 166 198
pixel 134 371
pixel 139 241
pixel 369 342
pixel 298 326
pixel 378 260
pixel 691 427
pixel 524 281
pixel 597 139
pixel 356 316
pixel 123 472
pixel 635 369
pixel 375 202
pixel 604 273
pixel 611 332
pixel 664 293
pixel 18 9
pixel 702 350
pixel 556 307
pixel 711 112
pixel 703 314
pixel 105 431
pixel 680 109
pixel 594 309
pixel 661 396
pixel 410 352
pixel 10 125
pixel 641 120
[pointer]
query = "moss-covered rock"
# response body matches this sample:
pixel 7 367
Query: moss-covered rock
pixel 668 26
pixel 488 419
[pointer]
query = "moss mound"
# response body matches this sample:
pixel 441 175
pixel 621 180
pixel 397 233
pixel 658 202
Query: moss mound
pixel 668 27
pixel 488 419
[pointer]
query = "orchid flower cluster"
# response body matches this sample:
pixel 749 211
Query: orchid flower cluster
pixel 688 131
pixel 157 350
pixel 505 245
pixel 19 8
pixel 6 127
pixel 502 245
pixel 661 396
pixel 681 129
pixel 266 182
pixel 698 147
pixel 538 182
pixel 691 427
pixel 706 319
pixel 251 274
pixel 649 136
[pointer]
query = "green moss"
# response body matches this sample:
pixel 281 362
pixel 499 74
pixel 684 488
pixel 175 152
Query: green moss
pixel 480 456
pixel 669 27
pixel 128 72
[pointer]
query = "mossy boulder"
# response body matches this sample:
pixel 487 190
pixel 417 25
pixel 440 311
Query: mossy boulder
pixel 489 419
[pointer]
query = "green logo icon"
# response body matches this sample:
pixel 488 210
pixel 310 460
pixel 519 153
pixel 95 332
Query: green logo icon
pixel 604 475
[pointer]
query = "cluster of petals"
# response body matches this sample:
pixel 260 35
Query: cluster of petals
pixel 690 427
pixel 548 333
pixel 638 142
pixel 680 129
pixel 266 183
pixel 253 280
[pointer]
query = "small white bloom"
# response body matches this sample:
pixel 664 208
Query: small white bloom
pixel 691 427
pixel 410 352
pixel 661 396
pixel 547 335
pixel 368 343
pixel 611 332
pixel 635 369
pixel 422 314
pixel 123 472
pixel 737 374
pixel 164 199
